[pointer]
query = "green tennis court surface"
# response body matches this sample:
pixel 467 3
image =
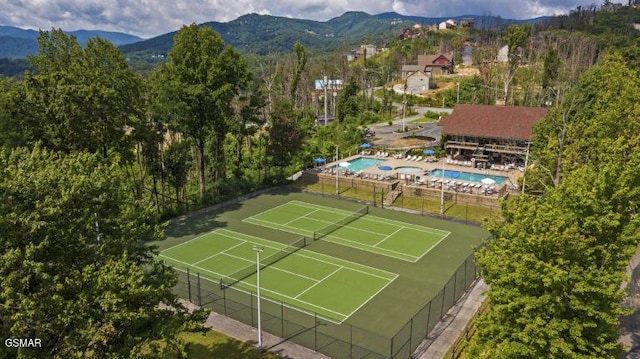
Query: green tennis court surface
pixel 305 280
pixel 379 235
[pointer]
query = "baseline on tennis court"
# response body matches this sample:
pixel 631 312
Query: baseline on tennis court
pixel 307 281
pixel 400 240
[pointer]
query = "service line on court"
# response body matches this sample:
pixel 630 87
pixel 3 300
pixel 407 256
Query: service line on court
pixel 318 282
pixel 297 218
pixel 387 237
pixel 340 240
pixel 278 302
pixel 374 218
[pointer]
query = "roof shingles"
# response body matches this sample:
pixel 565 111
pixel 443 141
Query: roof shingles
pixel 500 122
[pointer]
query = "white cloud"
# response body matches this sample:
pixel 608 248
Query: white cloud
pixel 149 18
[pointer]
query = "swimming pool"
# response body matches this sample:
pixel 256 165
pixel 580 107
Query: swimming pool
pixel 467 176
pixel 362 163
pixel 408 169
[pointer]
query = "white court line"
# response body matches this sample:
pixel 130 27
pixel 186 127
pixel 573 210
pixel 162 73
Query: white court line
pixel 278 302
pixel 270 209
pixel 373 296
pixel 387 237
pixel 190 240
pixel 320 281
pixel 374 218
pixel 433 246
pixel 317 254
pixel 272 267
pixel 297 218
pixel 295 230
pixel 263 289
pixel 261 241
pixel 357 245
pixel 223 252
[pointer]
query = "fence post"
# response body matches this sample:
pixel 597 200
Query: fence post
pixel 455 286
pixel 391 348
pixel 428 318
pixel 224 301
pixel 199 292
pixel 189 283
pixel 251 301
pixel 466 214
pixel 410 333
pixel 315 331
pixel 374 195
pixel 444 294
pixel 282 319
pixel 466 284
pixel 350 341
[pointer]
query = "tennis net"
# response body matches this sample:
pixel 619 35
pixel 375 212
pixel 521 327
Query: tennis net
pixel 231 279
pixel 341 223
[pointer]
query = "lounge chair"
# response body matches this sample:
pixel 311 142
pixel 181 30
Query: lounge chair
pixel 419 158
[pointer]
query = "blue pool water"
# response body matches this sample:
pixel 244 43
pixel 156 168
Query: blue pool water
pixel 362 163
pixel 408 169
pixel 466 176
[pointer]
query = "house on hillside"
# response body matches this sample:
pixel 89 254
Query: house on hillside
pixel 437 64
pixel 449 24
pixel 417 83
pixel 488 135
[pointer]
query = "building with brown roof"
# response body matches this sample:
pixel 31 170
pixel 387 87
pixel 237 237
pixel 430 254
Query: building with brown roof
pixel 434 64
pixel 490 134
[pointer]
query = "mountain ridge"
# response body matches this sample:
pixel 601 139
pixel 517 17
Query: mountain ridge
pixel 18 43
pixel 260 34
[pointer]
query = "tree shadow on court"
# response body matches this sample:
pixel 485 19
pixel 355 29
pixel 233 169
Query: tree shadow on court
pixel 207 219
pixel 199 222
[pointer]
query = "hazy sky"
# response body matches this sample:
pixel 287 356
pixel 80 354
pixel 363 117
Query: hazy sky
pixel 148 18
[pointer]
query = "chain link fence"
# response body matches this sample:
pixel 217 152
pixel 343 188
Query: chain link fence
pixel 310 330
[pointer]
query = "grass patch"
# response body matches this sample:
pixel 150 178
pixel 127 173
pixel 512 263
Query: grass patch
pixel 425 120
pixel 469 213
pixel 212 344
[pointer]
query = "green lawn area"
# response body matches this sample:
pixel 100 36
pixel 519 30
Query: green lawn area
pixel 465 212
pixel 212 344
pixel 425 120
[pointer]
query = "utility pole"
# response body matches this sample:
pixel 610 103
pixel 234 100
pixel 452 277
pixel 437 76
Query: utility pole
pixel 324 85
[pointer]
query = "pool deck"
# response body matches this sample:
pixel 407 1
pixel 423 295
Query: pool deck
pixel 426 167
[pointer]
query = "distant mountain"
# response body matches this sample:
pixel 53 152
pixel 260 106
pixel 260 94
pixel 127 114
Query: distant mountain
pixel 264 34
pixel 18 43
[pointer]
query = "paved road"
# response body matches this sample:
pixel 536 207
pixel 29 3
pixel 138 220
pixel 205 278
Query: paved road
pixel 386 135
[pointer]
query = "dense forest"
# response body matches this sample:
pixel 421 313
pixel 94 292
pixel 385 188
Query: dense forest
pixel 96 154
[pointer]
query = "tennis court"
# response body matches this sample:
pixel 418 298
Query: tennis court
pixel 400 240
pixel 304 280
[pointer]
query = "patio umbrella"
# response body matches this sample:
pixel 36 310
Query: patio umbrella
pixel 319 160
pixel 488 181
pixel 385 168
pixel 429 152
pixel 365 145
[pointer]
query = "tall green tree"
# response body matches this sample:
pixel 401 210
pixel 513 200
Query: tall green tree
pixel 79 99
pixel 285 139
pixel 301 63
pixel 557 261
pixel 196 87
pixel 75 269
